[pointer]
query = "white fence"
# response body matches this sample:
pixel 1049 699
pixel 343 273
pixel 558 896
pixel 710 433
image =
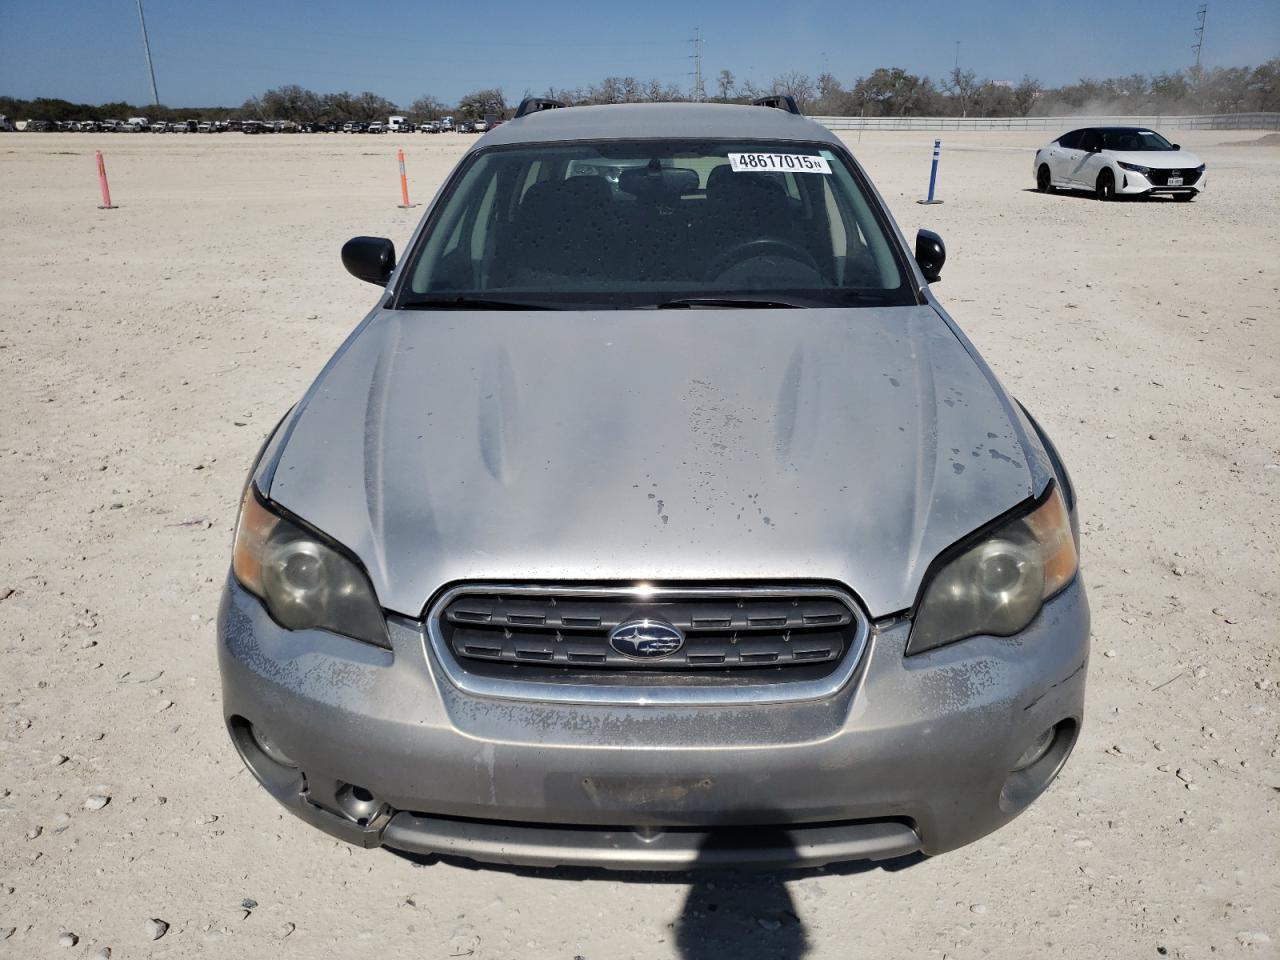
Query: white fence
pixel 1216 121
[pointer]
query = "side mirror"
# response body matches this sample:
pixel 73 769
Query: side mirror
pixel 931 254
pixel 1177 146
pixel 370 259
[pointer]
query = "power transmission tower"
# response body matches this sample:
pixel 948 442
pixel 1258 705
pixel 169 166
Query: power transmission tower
pixel 146 46
pixel 1202 13
pixel 699 89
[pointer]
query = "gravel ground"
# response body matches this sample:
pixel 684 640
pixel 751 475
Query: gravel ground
pixel 145 351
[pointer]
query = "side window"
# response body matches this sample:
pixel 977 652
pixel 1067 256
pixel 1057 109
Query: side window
pixel 1091 141
pixel 1071 141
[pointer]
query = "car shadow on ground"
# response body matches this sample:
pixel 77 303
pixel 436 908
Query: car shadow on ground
pixel 1087 195
pixel 736 913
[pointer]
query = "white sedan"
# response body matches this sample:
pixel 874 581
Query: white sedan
pixel 1118 161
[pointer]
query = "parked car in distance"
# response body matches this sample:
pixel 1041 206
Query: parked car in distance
pixel 1114 162
pixel 205 126
pixel 662 523
pixel 376 127
pixel 467 126
pixel 398 124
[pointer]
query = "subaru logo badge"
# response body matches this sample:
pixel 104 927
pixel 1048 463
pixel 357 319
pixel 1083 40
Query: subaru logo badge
pixel 646 639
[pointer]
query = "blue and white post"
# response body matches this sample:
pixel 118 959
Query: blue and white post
pixel 933 172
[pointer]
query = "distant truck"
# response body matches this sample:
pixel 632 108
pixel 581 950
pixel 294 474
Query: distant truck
pixel 396 124
pixel 138 123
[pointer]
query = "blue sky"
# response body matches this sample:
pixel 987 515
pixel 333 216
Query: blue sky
pixel 211 52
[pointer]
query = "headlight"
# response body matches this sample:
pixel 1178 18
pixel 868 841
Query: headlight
pixel 304 582
pixel 997 585
pixel 1135 167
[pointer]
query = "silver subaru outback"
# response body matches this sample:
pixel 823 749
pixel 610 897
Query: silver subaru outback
pixel 657 516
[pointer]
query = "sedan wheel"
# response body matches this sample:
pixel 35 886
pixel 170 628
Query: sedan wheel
pixel 1043 180
pixel 1106 187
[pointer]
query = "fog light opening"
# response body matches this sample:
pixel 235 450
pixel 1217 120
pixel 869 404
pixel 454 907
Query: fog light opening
pixel 1038 765
pixel 1039 747
pixel 271 748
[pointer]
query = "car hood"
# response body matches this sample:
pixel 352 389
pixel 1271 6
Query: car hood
pixel 674 445
pixel 1158 159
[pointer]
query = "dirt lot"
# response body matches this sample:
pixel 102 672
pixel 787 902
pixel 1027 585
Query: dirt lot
pixel 145 351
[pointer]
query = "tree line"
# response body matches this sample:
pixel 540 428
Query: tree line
pixel 884 92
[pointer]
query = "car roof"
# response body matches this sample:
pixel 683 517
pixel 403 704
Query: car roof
pixel 1108 130
pixel 656 121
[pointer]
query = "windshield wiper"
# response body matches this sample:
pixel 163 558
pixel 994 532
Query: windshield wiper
pixel 694 303
pixel 472 303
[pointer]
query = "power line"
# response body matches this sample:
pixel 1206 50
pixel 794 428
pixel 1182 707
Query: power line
pixel 146 46
pixel 1202 12
pixel 699 89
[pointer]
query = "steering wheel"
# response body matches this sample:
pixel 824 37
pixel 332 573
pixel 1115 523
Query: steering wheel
pixel 761 247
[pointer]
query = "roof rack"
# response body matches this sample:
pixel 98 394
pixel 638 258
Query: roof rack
pixel 535 104
pixel 779 101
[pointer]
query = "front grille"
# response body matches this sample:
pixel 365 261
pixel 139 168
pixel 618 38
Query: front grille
pixel 725 629
pixel 1160 178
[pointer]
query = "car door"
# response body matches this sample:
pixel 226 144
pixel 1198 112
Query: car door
pixel 1060 157
pixel 1087 161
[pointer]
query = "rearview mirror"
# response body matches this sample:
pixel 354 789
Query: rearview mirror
pixel 931 254
pixel 370 259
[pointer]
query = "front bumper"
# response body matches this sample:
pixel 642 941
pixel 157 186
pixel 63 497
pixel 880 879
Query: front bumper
pixel 1132 183
pixel 912 754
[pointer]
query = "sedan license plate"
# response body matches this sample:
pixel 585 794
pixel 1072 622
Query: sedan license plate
pixel 1175 181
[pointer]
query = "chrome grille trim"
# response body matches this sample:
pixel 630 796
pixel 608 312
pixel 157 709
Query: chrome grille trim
pixel 626 690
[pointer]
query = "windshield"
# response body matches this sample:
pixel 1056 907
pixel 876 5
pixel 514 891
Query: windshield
pixel 652 223
pixel 1134 140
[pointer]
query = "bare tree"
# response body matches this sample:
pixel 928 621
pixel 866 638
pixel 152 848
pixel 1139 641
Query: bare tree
pixel 655 91
pixel 961 84
pixel 427 107
pixel 832 98
pixel 1025 94
pixel 798 86
pixel 478 103
pixel 725 83
pixel 370 106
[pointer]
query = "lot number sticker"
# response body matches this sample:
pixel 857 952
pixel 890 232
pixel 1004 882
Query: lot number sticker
pixel 778 162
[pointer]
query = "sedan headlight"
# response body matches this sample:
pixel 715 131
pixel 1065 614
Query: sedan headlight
pixel 997 585
pixel 1135 167
pixel 304 581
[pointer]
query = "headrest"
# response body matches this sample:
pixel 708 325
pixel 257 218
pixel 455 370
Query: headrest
pixel 724 182
pixel 548 196
pixel 646 182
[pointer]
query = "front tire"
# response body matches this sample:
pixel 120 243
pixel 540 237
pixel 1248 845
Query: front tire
pixel 1105 189
pixel 1044 180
